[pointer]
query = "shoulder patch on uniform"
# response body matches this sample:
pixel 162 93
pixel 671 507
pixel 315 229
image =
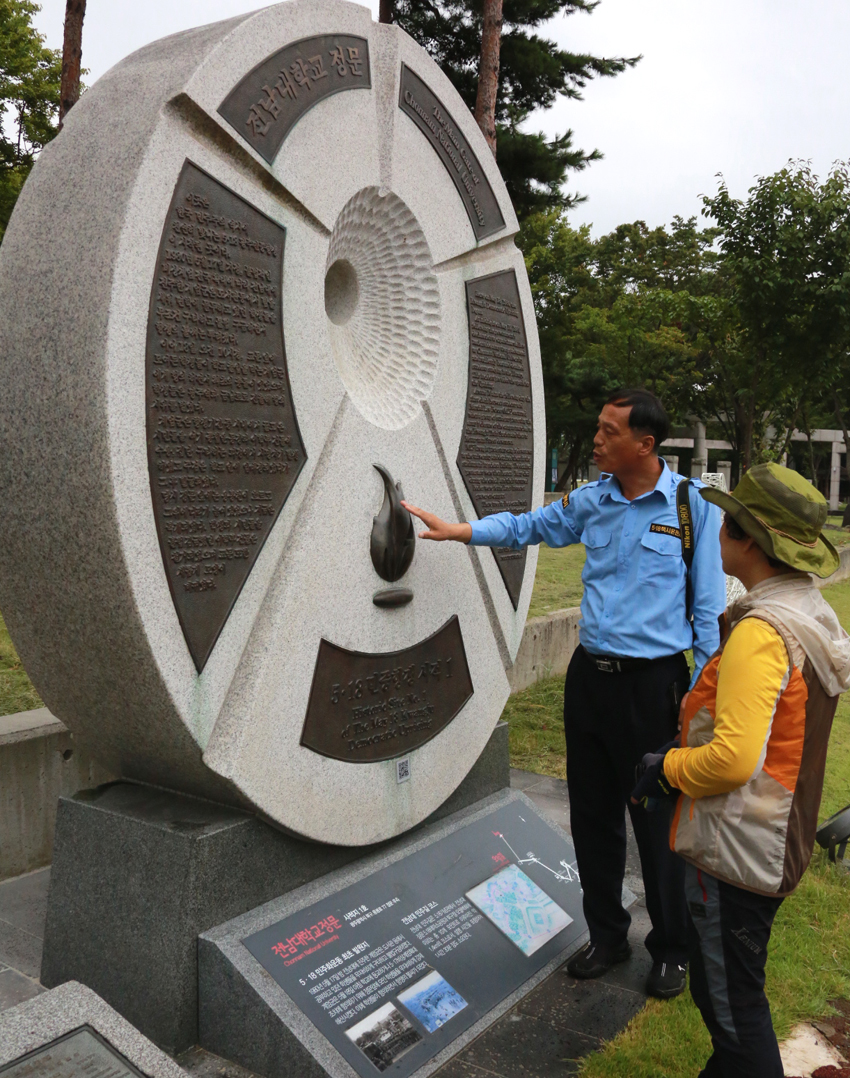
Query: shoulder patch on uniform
pixel 666 529
pixel 565 501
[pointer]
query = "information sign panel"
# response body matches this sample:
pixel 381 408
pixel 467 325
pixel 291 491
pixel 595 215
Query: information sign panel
pixel 394 968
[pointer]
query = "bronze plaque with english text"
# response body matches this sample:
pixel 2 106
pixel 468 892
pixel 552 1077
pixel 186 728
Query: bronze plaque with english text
pixel 496 457
pixel 365 707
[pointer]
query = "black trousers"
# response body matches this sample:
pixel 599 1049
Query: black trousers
pixel 729 933
pixel 611 720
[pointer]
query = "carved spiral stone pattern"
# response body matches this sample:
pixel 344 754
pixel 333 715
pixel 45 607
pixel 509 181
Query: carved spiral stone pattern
pixel 383 307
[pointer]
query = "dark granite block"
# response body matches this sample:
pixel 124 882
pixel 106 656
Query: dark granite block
pixel 139 873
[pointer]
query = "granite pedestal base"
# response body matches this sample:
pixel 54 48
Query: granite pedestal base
pixel 263 1007
pixel 139 873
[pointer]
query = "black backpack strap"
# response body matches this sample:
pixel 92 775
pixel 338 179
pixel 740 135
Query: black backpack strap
pixel 686 531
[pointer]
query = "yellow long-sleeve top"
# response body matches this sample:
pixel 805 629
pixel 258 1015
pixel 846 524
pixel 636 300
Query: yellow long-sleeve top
pixel 751 674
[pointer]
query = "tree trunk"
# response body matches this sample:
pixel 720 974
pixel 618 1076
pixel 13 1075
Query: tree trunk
pixel 488 72
pixel 72 56
pixel 386 12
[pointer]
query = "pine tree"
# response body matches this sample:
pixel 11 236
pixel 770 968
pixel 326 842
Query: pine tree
pixel 533 73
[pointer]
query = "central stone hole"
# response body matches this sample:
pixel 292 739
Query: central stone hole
pixel 342 293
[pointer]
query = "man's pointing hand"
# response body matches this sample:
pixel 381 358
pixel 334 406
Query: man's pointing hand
pixel 439 530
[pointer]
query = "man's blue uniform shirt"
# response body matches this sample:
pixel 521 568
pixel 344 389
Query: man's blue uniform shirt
pixel 634 575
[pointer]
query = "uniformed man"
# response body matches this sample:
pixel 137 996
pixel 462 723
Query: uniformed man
pixel 628 676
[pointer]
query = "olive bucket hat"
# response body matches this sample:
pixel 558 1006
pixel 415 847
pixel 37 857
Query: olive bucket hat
pixel 784 513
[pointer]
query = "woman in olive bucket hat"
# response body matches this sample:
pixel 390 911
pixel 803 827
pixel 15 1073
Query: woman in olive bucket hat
pixel 749 776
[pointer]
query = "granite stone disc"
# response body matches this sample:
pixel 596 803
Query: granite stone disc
pixel 262 256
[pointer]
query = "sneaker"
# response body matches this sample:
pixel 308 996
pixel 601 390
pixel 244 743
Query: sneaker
pixel 666 980
pixel 593 960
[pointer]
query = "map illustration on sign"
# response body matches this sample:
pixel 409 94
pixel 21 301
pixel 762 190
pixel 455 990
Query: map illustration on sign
pixel 519 908
pixel 432 1001
pixel 384 1036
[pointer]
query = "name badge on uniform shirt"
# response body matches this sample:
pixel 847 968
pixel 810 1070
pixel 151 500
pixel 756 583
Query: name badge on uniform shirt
pixel 666 529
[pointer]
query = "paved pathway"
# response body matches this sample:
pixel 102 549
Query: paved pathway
pixel 543 1036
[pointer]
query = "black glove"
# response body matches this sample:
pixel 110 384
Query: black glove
pixel 652 786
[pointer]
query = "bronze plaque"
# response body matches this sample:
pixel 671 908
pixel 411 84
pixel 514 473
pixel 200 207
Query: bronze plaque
pixel 496 456
pixel 436 124
pixel 366 707
pixel 82 1052
pixel 271 99
pixel 224 449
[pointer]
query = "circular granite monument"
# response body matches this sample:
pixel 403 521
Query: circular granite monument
pixel 262 257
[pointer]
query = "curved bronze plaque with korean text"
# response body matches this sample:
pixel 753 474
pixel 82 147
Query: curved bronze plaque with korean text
pixel 224 449
pixel 271 99
pixel 435 122
pixel 496 456
pixel 366 707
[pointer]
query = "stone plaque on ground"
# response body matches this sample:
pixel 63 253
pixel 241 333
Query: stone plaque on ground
pixel 82 1052
pixel 69 1033
pixel 262 256
pixel 402 964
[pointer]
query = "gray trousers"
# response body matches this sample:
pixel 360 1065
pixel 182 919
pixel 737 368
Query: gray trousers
pixel 728 938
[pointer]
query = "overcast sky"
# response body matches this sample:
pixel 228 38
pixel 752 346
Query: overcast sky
pixel 731 86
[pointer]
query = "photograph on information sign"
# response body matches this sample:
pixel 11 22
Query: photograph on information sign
pixel 432 1001
pixel 384 1036
pixel 519 908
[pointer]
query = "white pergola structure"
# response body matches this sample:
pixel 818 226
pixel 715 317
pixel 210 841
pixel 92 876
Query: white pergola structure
pixel 700 444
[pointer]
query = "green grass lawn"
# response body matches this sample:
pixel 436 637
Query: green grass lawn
pixel 16 689
pixel 558 581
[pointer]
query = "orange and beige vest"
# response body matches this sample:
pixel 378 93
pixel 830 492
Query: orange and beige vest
pixel 760 836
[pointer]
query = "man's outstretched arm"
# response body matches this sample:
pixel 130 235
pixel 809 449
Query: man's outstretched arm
pixel 553 524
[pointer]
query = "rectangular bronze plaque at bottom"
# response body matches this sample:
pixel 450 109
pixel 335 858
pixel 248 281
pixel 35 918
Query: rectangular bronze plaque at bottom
pixel 366 707
pixel 82 1052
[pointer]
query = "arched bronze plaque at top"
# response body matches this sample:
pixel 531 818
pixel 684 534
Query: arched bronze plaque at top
pixel 418 101
pixel 271 99
pixel 224 449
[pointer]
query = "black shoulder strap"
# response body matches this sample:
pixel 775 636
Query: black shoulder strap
pixel 686 522
pixel 686 532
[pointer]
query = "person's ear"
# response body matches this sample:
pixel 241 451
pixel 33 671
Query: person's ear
pixel 647 445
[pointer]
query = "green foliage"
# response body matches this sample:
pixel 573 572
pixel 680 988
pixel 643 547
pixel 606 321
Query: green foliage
pixel 631 307
pixel 744 324
pixel 30 75
pixel 785 258
pixel 533 73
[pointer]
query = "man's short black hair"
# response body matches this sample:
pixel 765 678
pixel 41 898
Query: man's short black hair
pixel 647 414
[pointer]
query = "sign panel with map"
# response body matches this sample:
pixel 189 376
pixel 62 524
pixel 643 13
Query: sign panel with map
pixel 394 968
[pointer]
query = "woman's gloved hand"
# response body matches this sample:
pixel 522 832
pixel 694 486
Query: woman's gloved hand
pixel 651 784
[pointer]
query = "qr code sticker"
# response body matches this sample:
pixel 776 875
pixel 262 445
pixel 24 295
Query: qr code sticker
pixel 402 769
